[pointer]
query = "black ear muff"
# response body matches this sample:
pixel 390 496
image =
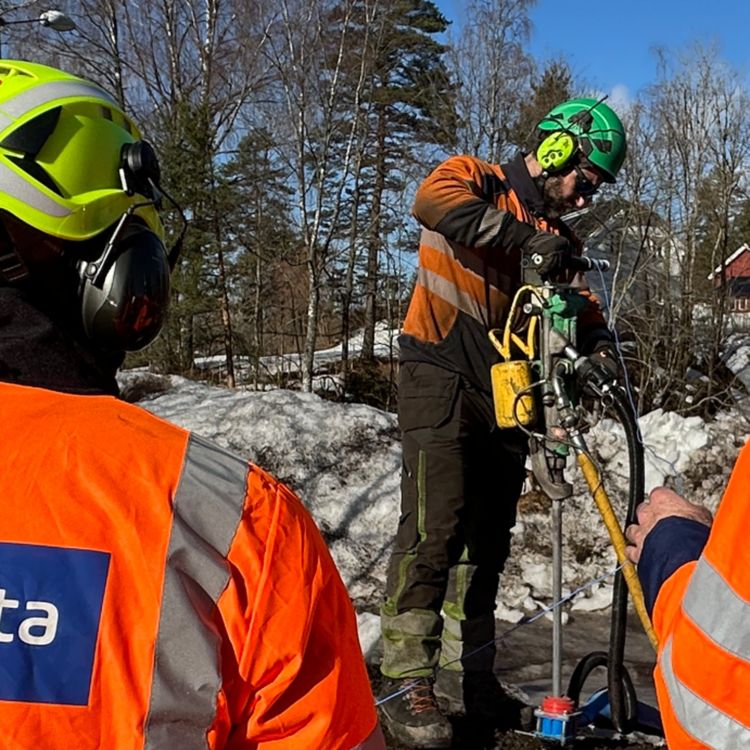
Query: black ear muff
pixel 124 295
pixel 139 169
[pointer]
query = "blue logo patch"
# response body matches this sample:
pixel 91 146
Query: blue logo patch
pixel 50 606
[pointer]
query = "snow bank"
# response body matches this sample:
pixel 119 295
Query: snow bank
pixel 344 461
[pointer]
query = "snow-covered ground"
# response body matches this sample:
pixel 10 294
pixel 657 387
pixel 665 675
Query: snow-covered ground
pixel 326 378
pixel 344 460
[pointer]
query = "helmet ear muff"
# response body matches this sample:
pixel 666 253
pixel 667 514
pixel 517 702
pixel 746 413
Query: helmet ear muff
pixel 556 151
pixel 139 168
pixel 124 295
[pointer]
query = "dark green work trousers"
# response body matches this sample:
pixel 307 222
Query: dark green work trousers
pixel 461 478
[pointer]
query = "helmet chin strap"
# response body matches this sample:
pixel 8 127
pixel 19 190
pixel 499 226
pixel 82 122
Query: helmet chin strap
pixel 540 181
pixel 12 268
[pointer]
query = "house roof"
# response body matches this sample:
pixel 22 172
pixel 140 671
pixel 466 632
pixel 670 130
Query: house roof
pixel 728 262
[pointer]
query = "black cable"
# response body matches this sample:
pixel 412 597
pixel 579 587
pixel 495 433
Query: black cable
pixel 586 666
pixel 622 718
pixel 583 669
pixel 620 691
pixel 173 254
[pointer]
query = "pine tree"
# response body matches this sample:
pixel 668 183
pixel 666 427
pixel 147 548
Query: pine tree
pixel 554 85
pixel 408 105
pixel 258 219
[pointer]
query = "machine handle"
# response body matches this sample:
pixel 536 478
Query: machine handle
pixel 584 263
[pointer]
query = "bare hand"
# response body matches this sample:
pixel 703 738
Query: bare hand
pixel 661 503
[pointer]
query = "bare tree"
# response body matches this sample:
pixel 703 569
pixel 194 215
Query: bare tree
pixel 188 85
pixel 493 70
pixel 309 57
pixel 688 150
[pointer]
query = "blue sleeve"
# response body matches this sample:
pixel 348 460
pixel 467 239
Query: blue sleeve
pixel 673 542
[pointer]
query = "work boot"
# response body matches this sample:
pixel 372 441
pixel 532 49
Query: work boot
pixel 412 715
pixel 482 696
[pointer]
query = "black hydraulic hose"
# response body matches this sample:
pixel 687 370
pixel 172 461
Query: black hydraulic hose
pixel 621 696
pixel 615 667
pixel 583 669
pixel 622 707
pixel 586 666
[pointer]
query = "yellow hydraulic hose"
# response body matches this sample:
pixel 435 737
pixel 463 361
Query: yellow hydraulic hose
pixel 618 541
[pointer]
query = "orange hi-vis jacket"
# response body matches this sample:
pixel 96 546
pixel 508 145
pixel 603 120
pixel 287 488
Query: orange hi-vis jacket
pixel 702 618
pixel 470 264
pixel 158 593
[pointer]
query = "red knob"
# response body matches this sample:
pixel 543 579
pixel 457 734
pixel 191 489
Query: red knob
pixel 558 704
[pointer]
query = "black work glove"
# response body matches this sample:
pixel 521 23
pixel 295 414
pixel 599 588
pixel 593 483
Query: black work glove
pixel 599 369
pixel 548 253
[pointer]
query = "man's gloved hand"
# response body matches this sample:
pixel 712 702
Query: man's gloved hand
pixel 600 368
pixel 548 253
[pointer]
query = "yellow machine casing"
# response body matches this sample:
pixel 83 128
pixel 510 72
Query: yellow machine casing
pixel 513 406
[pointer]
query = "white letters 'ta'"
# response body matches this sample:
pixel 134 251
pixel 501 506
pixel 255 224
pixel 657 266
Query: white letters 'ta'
pixel 47 623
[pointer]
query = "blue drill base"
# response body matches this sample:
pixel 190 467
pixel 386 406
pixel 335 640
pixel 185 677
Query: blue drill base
pixel 563 727
pixel 556 727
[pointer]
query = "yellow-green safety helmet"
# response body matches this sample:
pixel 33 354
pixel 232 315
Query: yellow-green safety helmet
pixel 60 143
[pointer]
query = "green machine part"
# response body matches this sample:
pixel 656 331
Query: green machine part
pixel 562 309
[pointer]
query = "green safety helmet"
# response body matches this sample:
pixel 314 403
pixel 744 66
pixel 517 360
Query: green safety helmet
pixel 73 175
pixel 578 128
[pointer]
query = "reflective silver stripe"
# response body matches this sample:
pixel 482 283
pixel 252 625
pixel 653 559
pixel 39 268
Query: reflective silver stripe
pixel 489 227
pixel 187 662
pixel 698 718
pixel 17 106
pixel 46 92
pixel 718 610
pixel 470 260
pixel 13 184
pixel 448 291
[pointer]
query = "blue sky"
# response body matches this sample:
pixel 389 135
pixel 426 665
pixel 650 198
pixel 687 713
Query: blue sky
pixel 610 44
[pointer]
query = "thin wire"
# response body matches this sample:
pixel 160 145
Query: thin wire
pixel 174 252
pixel 618 348
pixel 516 400
pixel 527 620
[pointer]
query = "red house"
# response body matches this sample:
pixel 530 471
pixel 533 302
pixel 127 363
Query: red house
pixel 737 276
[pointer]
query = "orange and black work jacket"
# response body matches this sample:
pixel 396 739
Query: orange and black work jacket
pixel 474 217
pixel 158 593
pixel 702 619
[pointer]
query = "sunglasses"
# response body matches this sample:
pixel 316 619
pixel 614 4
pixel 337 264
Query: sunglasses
pixel 584 186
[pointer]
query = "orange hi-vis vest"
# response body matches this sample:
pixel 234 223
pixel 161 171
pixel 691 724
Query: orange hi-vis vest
pixel 158 593
pixel 702 618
